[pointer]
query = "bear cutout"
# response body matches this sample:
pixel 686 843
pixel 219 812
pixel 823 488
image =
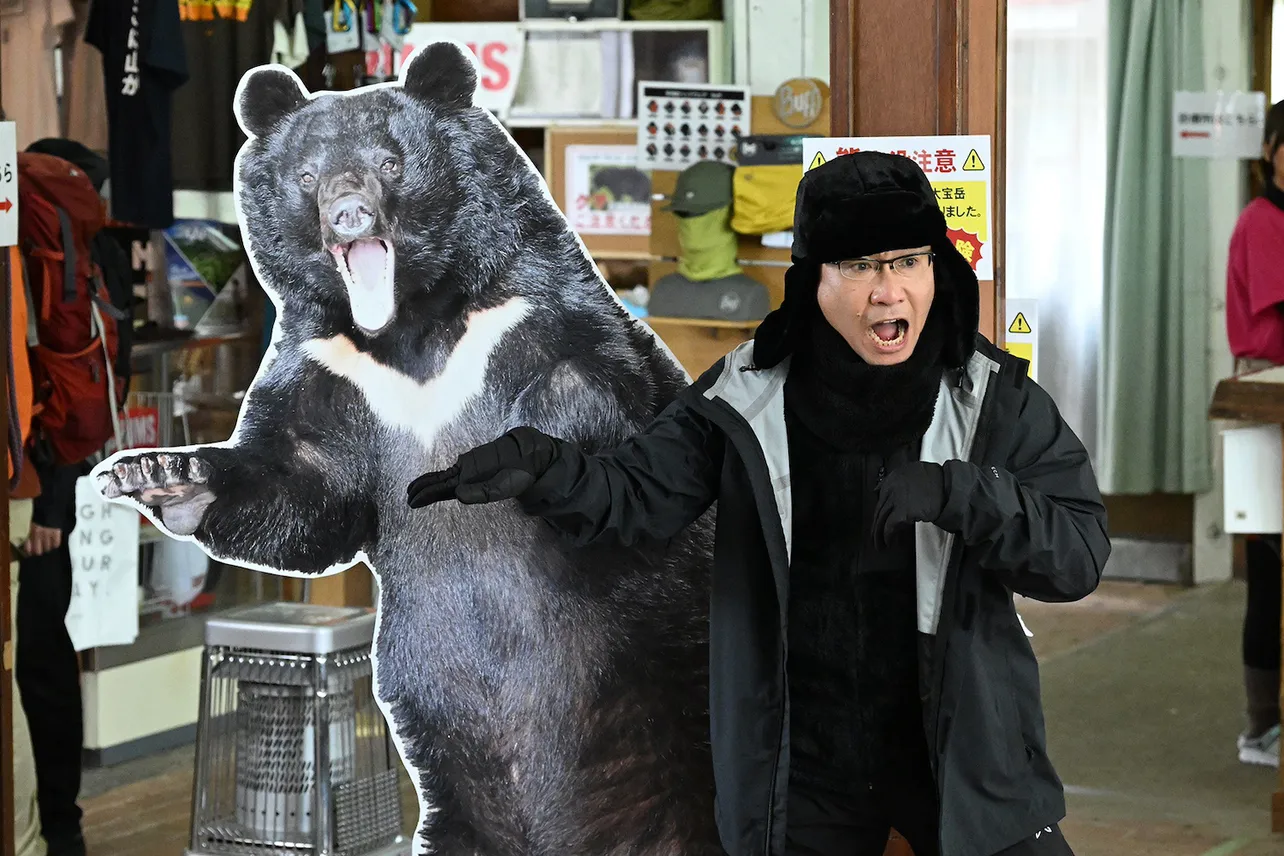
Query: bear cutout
pixel 430 296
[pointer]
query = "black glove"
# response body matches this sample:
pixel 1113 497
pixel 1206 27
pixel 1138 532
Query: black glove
pixel 501 469
pixel 911 493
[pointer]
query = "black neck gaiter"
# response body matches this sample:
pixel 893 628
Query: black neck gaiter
pixel 854 406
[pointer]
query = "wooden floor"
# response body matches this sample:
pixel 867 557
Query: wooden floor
pixel 150 817
pixel 1151 771
pixel 144 818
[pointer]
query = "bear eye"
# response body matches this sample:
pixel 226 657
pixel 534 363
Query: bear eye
pixel 389 165
pixel 306 178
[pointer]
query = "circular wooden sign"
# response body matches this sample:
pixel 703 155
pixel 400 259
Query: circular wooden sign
pixel 799 101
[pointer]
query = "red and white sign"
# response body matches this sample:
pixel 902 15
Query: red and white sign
pixel 141 429
pixel 498 48
pixel 8 184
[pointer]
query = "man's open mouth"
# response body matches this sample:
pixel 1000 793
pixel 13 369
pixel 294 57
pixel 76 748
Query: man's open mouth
pixel 889 334
pixel 367 266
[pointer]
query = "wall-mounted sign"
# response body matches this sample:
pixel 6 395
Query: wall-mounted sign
pixel 799 102
pixel 960 171
pixel 606 193
pixel 1021 336
pixel 8 184
pixel 1218 124
pixel 681 123
pixel 498 48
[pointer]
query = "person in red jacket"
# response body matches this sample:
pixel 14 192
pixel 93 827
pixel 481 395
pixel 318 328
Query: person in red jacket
pixel 1255 329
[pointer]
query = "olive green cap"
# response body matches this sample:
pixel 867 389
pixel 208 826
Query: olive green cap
pixel 701 188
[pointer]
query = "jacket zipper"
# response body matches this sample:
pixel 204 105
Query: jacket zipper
pixel 980 444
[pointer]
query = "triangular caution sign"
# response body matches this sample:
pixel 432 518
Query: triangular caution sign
pixel 817 160
pixel 1020 326
pixel 973 163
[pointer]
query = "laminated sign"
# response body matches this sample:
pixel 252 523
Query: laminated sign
pixel 606 192
pixel 1021 331
pixel 104 571
pixel 8 184
pixel 1218 124
pixel 960 171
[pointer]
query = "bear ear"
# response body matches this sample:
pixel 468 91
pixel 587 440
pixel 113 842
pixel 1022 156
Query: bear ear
pixel 442 74
pixel 266 96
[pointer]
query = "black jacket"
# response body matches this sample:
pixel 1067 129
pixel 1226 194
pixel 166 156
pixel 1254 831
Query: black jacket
pixel 1023 515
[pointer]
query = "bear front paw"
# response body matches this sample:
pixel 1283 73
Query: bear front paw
pixel 175 483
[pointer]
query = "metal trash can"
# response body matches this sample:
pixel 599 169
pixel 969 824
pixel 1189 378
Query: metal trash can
pixel 293 756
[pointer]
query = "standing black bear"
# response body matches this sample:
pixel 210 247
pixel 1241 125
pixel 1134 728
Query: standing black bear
pixel 431 296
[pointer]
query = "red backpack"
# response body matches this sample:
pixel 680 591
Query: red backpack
pixel 77 393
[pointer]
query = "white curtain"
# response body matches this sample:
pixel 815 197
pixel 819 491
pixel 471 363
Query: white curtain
pixel 1056 188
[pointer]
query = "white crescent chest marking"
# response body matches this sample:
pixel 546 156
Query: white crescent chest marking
pixel 424 409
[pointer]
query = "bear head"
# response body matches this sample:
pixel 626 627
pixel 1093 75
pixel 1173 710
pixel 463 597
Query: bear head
pixel 350 200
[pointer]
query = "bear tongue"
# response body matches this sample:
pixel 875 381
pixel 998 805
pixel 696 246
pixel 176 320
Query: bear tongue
pixel 371 289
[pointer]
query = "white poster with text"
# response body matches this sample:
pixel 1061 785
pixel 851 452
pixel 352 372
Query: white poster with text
pixel 1218 124
pixel 606 193
pixel 104 571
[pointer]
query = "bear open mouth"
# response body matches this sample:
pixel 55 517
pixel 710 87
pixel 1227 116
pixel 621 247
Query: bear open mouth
pixel 367 266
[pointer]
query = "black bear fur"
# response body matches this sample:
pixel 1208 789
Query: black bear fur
pixel 550 700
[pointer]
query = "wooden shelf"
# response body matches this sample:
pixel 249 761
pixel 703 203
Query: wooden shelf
pixel 533 121
pixel 621 256
pixel 713 323
pixel 546 25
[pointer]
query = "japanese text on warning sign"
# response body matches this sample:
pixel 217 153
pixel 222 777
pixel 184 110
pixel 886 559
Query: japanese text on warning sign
pixel 959 169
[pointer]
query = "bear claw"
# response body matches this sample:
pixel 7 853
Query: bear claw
pixel 176 484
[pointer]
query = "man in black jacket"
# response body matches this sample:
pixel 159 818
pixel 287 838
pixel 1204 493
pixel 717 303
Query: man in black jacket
pixel 886 479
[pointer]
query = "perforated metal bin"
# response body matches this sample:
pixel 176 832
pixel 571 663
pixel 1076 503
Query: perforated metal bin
pixel 293 756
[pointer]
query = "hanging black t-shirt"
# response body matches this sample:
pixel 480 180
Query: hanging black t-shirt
pixel 143 63
pixel 223 47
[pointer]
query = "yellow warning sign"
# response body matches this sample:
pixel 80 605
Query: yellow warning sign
pixel 1024 350
pixel 817 160
pixel 1020 326
pixel 973 163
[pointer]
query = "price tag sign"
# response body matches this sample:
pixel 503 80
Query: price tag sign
pixel 8 184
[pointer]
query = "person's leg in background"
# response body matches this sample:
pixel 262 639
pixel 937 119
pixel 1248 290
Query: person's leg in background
pixel 1260 743
pixel 27 840
pixel 48 672
pixel 47 666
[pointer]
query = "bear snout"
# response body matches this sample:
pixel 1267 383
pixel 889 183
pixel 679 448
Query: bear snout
pixel 351 217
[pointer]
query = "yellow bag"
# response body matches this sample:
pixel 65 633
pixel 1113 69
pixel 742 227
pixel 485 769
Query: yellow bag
pixel 763 198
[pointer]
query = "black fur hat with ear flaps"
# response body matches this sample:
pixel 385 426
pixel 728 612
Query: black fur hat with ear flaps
pixel 856 205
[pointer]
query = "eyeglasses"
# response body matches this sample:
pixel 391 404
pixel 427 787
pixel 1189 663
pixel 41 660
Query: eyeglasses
pixel 863 270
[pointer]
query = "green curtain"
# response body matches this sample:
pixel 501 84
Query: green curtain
pixel 1154 430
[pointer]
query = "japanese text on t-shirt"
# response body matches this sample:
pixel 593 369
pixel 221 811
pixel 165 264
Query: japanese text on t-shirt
pixel 129 83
